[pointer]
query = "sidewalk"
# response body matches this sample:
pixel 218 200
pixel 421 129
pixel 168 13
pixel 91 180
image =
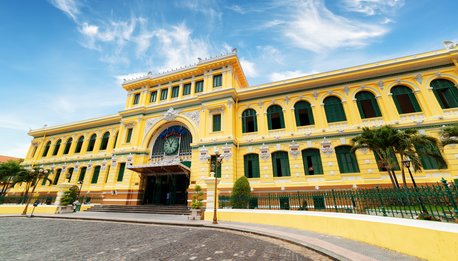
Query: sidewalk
pixel 336 247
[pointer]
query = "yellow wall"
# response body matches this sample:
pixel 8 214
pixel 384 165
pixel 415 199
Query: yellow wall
pixel 424 239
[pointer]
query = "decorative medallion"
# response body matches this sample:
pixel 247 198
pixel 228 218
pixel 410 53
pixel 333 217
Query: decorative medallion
pixel 326 146
pixel 294 149
pixel 264 152
pixel 194 116
pixel 227 152
pixel 170 115
pixel 203 155
pixel 113 161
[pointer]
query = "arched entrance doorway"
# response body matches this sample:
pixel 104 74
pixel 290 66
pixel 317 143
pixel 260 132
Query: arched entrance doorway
pixel 166 176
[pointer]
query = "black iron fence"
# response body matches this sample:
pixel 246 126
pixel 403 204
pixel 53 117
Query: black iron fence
pixel 434 202
pixel 45 200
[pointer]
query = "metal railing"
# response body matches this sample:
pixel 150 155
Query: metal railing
pixel 431 202
pixel 45 200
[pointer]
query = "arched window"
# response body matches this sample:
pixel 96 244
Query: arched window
pixel 303 113
pixel 56 147
pixel 45 151
pixel 312 161
pixel 56 178
pixel 275 117
pixel 280 164
pixel 428 161
pixel 367 105
pixel 90 145
pixel 334 109
pixel 116 140
pixel 82 174
pixel 393 162
pixel 95 175
pixel 446 93
pixel 249 121
pixel 346 159
pixel 69 174
pixel 405 100
pixel 251 165
pixel 105 138
pixel 68 144
pixel 79 144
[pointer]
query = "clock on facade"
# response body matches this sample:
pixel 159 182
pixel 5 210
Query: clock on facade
pixel 171 145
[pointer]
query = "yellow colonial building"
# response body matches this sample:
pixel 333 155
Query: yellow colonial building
pixel 284 136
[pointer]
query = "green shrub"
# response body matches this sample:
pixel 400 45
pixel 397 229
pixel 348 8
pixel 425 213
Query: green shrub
pixel 69 196
pixel 240 196
pixel 197 198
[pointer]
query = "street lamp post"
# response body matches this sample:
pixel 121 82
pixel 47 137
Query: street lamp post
pixel 80 182
pixel 406 164
pixel 39 175
pixel 219 159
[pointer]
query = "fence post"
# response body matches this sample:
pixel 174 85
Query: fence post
pixel 452 200
pixel 334 198
pixel 268 195
pixel 381 201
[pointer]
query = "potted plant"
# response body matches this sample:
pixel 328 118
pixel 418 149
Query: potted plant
pixel 66 202
pixel 196 204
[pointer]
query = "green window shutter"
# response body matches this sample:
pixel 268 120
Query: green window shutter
pixel 280 164
pixel 122 168
pixel 164 94
pixel 70 174
pixel 95 176
pixel 244 123
pixel 217 80
pixel 56 178
pixel 116 140
pixel 269 122
pixel 68 144
pixel 129 135
pixel 251 160
pixel 45 151
pixel 79 144
pixel 428 162
pixel 217 122
pixel 43 182
pixel 312 156
pixel 90 145
pixel 136 98
pixel 272 111
pixel 346 159
pixel 393 161
pixel 414 102
pixel 303 119
pixel 56 147
pixel 187 89
pixel 175 91
pixel 446 93
pixel 105 139
pixel 405 100
pixel 199 86
pixel 153 97
pixel 334 109
pixel 367 105
pixel 82 174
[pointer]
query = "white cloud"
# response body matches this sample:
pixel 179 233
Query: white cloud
pixel 249 68
pixel 372 7
pixel 206 7
pixel 279 76
pixel 237 9
pixel 314 27
pixel 69 7
pixel 178 48
pixel 271 54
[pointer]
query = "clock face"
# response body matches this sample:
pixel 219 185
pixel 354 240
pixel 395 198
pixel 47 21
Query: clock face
pixel 171 145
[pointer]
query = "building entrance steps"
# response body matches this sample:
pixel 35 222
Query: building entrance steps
pixel 336 247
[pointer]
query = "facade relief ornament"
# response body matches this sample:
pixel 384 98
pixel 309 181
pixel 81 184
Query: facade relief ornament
pixel 264 152
pixel 294 149
pixel 150 124
pixel 346 90
pixel 419 78
pixel 104 164
pixel 203 155
pixel 114 161
pixel 171 114
pixel 130 160
pixel 380 85
pixel 326 147
pixel 315 95
pixel 227 152
pixel 194 116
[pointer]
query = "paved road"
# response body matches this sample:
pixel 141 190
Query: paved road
pixel 46 239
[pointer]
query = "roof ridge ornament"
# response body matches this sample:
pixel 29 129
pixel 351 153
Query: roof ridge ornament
pixel 449 44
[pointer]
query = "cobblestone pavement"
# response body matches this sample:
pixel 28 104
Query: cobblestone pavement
pixel 46 239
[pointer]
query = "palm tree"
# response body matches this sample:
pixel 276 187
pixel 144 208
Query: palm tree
pixel 449 135
pixel 407 146
pixel 35 175
pixel 380 141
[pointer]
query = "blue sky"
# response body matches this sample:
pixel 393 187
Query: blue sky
pixel 64 60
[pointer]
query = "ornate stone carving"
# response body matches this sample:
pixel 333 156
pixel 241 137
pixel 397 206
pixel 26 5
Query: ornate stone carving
pixel 203 155
pixel 104 164
pixel 380 84
pixel 150 123
pixel 326 146
pixel 294 149
pixel 170 115
pixel 227 152
pixel 129 160
pixel 315 95
pixel 114 160
pixel 346 90
pixel 194 116
pixel 419 78
pixel 264 152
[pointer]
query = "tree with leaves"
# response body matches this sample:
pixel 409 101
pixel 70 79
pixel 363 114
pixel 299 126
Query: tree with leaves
pixel 70 196
pixel 8 170
pixel 449 135
pixel 241 191
pixel 31 177
pixel 380 141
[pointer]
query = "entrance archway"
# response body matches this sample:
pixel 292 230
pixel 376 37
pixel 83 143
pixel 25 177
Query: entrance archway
pixel 166 176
